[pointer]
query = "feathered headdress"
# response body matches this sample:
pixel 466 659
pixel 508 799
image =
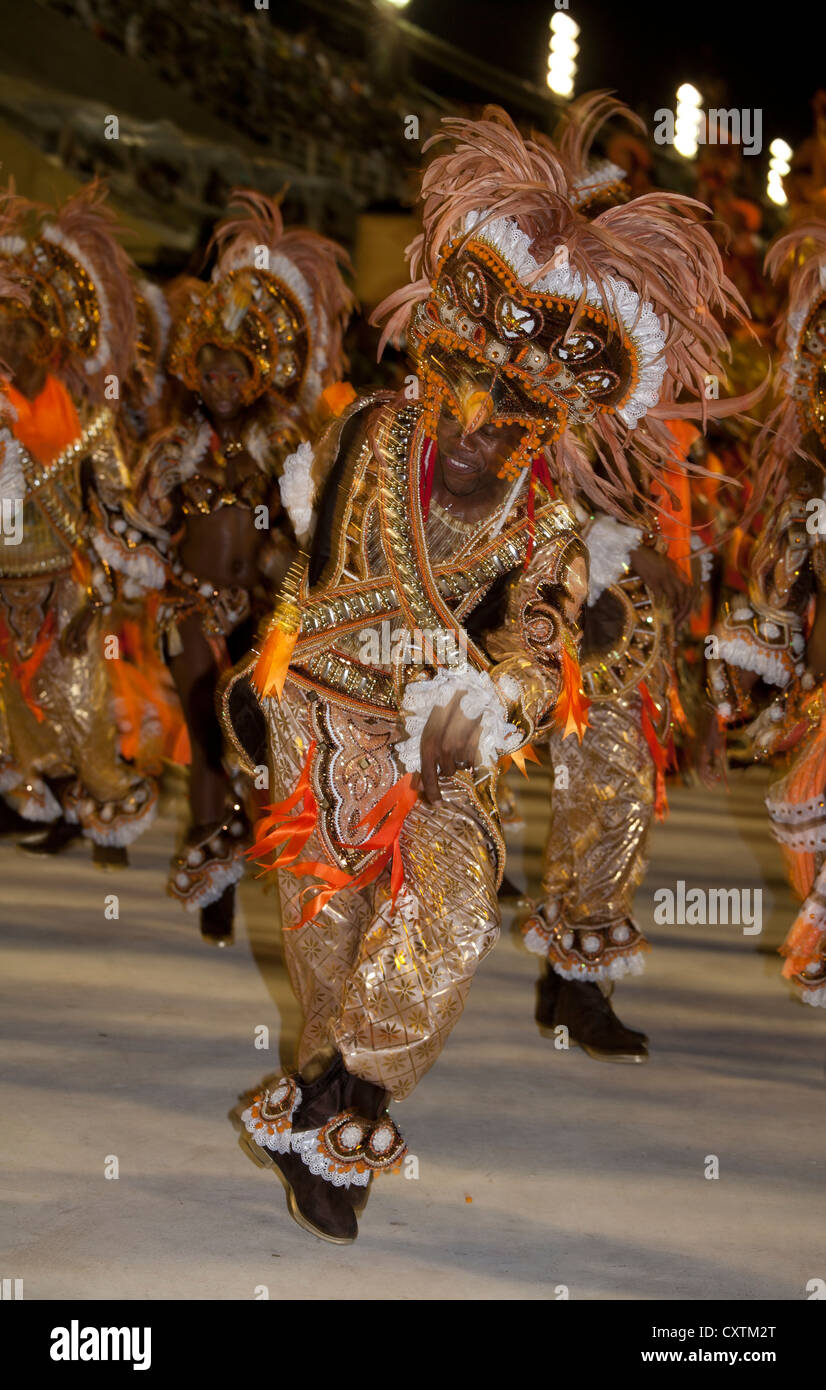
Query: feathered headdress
pixel 277 297
pixel 595 184
pixel 800 413
pixel 67 270
pixel 523 310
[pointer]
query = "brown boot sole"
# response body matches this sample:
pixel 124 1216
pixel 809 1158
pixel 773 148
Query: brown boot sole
pixel 263 1158
pixel 594 1052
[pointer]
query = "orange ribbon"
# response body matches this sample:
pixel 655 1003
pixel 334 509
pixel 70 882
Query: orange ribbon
pixel 519 758
pixel 399 801
pixel 278 828
pixel 571 710
pixel 659 754
pixel 24 672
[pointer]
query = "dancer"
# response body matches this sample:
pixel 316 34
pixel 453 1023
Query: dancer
pixel 436 529
pixel 606 789
pixel 772 658
pixel 256 348
pixel 66 339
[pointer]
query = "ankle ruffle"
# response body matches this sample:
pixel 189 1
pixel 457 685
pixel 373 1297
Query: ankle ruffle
pixel 206 867
pixel 345 1151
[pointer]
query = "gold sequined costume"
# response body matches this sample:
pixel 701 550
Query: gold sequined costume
pixel 73 549
pixel 762 672
pixel 382 985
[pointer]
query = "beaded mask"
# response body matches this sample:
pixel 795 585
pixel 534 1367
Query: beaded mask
pixel 253 313
pixel 797 425
pixel 278 298
pixel 524 310
pixel 66 271
pixel 494 343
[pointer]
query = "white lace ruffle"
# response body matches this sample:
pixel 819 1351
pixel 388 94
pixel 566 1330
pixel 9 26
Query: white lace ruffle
pixel 305 1144
pixel 126 827
pixel 705 557
pixel 793 812
pixel 480 699
pixel 298 489
pixel 601 174
pixel 749 658
pixel 815 997
pixel 33 800
pixel 609 545
pixel 214 883
pixel 633 963
pixel 142 568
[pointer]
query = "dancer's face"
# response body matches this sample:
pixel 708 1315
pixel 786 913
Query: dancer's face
pixel 470 463
pixel 222 376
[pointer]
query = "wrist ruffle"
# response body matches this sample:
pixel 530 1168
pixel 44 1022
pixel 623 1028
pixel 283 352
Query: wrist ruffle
pixel 481 699
pixel 609 545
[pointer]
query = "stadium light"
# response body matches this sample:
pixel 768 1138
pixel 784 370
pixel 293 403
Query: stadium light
pixel 689 120
pixel 779 156
pixel 562 53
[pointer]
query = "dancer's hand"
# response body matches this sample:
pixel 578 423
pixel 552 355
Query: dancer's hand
pixel 450 741
pixel 664 578
pixel 76 633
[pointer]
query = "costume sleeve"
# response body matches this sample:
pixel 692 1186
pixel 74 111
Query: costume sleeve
pixel 516 695
pixel 764 633
pixel 127 543
pixel 610 543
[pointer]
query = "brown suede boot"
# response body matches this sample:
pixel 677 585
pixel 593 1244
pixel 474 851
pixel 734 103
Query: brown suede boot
pixel 57 838
pixel 583 1009
pixel 11 822
pixel 110 856
pixel 315 1204
pixel 217 919
pixel 338 1087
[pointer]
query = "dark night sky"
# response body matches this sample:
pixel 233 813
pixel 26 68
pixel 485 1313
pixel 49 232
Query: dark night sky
pixel 765 57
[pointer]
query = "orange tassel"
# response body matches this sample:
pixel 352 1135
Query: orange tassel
pixel 278 829
pixel 338 396
pixel 519 758
pixel 24 672
pixel 274 658
pixel 398 801
pixel 571 712
pixel 273 664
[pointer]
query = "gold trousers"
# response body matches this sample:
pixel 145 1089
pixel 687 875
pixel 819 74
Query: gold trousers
pixel 602 801
pixel 384 985
pixel 76 736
